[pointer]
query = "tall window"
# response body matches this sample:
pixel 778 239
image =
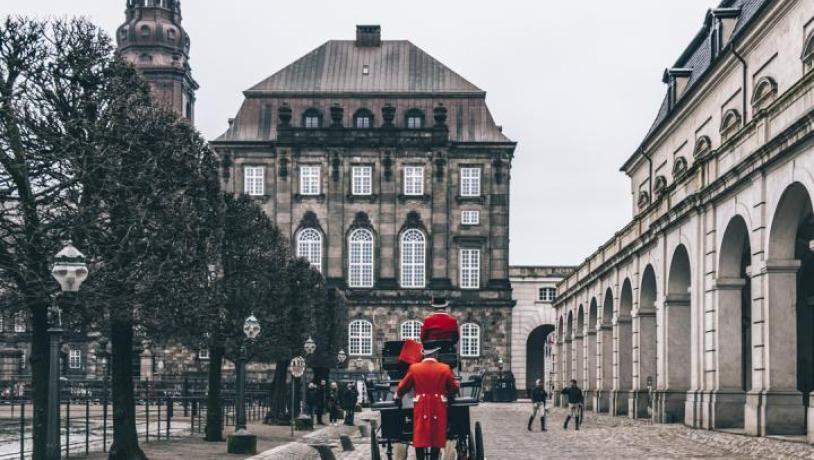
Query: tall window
pixel 470 181
pixel 254 180
pixel 411 330
pixel 414 119
pixel 362 180
pixel 547 294
pixel 414 180
pixel 470 268
pixel 470 340
pixel 360 338
pixel 75 359
pixel 413 259
pixel 309 247
pixel 309 180
pixel 360 259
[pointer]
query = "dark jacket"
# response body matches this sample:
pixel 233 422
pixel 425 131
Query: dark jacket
pixel 538 395
pixel 349 398
pixel 574 394
pixel 312 397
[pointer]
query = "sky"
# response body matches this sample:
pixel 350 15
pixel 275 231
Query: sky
pixel 575 83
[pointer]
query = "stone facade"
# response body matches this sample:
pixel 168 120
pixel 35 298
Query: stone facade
pixel 408 128
pixel 705 297
pixel 533 320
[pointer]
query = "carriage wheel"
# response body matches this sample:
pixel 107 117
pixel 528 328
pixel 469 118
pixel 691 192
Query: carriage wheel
pixel 479 454
pixel 374 446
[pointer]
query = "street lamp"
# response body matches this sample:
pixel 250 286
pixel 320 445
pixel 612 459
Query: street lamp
pixel 70 271
pixel 341 357
pixel 500 365
pixel 297 369
pixel 243 442
pixel 104 351
pixel 310 346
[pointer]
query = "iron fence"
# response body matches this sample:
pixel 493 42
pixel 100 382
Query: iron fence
pixel 165 409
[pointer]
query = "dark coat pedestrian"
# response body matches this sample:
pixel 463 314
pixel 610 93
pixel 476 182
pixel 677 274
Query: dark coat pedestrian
pixel 349 398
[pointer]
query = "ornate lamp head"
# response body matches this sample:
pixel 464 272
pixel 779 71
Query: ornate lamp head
pixel 70 269
pixel 251 327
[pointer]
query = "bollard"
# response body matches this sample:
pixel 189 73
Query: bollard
pixel 169 417
pixel 347 444
pixel 158 425
pixel 68 429
pixel 87 426
pixel 324 450
pixel 104 422
pixel 22 430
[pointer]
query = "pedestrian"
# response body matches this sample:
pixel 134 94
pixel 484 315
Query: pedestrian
pixel 311 400
pixel 321 399
pixel 333 403
pixel 538 399
pixel 349 398
pixel 575 400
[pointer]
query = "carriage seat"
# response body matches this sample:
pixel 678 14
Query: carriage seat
pixel 447 355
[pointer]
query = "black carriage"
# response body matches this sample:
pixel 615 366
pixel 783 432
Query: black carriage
pixel 396 425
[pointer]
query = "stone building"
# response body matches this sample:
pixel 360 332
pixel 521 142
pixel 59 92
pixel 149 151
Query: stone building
pixel 388 173
pixel 534 289
pixel 707 293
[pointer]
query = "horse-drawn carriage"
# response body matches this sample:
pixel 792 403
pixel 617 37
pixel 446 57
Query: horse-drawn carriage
pixel 396 425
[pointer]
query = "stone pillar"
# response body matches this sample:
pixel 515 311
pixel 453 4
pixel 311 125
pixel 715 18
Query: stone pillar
pixel 773 405
pixel 644 362
pixel 578 359
pixel 566 368
pixel 440 278
pixel 622 372
pixel 590 367
pixel 725 400
pixel 604 368
pixel 675 380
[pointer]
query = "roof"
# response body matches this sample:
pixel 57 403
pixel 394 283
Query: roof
pixel 397 66
pixel 697 56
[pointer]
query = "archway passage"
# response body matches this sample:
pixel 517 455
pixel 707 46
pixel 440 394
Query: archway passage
pixel 674 376
pixel 622 352
pixel 538 356
pixel 645 343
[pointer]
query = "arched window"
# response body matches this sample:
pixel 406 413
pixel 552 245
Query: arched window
pixel 470 340
pixel 363 119
pixel 360 338
pixel 360 259
pixel 764 94
pixel 414 119
pixel 730 123
pixel 309 247
pixel 702 147
pixel 312 119
pixel 808 53
pixel 411 330
pixel 679 167
pixel 413 259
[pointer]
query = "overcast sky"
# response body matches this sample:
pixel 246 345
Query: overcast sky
pixel 575 83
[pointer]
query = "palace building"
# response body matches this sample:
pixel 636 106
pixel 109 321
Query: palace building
pixel 701 309
pixel 388 173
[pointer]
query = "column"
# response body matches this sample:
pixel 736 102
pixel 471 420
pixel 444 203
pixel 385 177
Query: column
pixel 604 369
pixel 622 372
pixel 590 367
pixel 674 379
pixel 566 367
pixel 644 360
pixel 578 359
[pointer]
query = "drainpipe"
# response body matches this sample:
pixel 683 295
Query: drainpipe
pixel 650 176
pixel 745 67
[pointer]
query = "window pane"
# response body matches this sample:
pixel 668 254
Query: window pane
pixel 311 122
pixel 360 270
pixel 470 182
pixel 470 340
pixel 470 217
pixel 360 338
pixel 362 180
pixel 413 255
pixel 470 268
pixel 254 180
pixel 309 180
pixel 309 247
pixel 363 122
pixel 414 180
pixel 411 330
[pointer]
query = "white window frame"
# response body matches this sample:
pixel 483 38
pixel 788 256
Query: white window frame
pixel 360 338
pixel 414 180
pixel 203 353
pixel 470 340
pixel 413 259
pixel 470 217
pixel 74 358
pixel 19 323
pixel 410 329
pixel 547 294
pixel 363 122
pixel 311 121
pixel 309 247
pixel 415 122
pixel 310 180
pixel 471 181
pixel 361 246
pixel 254 180
pixel 362 180
pixel 469 264
pixel 22 359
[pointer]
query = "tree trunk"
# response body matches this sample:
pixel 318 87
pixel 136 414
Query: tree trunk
pixel 39 377
pixel 214 403
pixel 278 408
pixel 125 437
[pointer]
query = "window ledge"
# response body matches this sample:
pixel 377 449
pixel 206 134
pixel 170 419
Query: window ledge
pixel 471 199
pixel 371 198
pixel 300 198
pixel 425 198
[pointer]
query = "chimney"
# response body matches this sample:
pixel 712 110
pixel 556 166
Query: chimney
pixel 368 36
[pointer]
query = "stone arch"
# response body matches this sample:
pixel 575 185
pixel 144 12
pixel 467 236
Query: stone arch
pixel 675 380
pixel 538 352
pixel 607 307
pixel 579 347
pixel 622 351
pixel 604 357
pixel 568 354
pixel 789 283
pixel 645 343
pixel 591 347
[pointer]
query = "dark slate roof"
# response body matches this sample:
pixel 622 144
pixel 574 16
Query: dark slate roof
pixel 698 58
pixel 394 67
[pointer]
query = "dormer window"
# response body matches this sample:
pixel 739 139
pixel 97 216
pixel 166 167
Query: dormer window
pixel 764 94
pixel 312 119
pixel 363 119
pixel 730 124
pixel 145 31
pixel 414 119
pixel 171 35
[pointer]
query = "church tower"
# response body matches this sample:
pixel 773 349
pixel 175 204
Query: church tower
pixel 154 41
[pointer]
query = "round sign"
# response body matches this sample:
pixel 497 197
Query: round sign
pixel 297 367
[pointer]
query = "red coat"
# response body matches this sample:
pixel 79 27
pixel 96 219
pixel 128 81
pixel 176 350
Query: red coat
pixel 432 382
pixel 440 326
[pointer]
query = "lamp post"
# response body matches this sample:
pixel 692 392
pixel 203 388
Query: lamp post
pixel 70 271
pixel 341 357
pixel 297 369
pixel 243 442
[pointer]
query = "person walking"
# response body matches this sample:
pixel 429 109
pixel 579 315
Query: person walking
pixel 349 398
pixel 321 399
pixel 575 399
pixel 333 403
pixel 311 400
pixel 538 399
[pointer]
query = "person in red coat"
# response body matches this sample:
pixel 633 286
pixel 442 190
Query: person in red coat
pixel 440 325
pixel 432 383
